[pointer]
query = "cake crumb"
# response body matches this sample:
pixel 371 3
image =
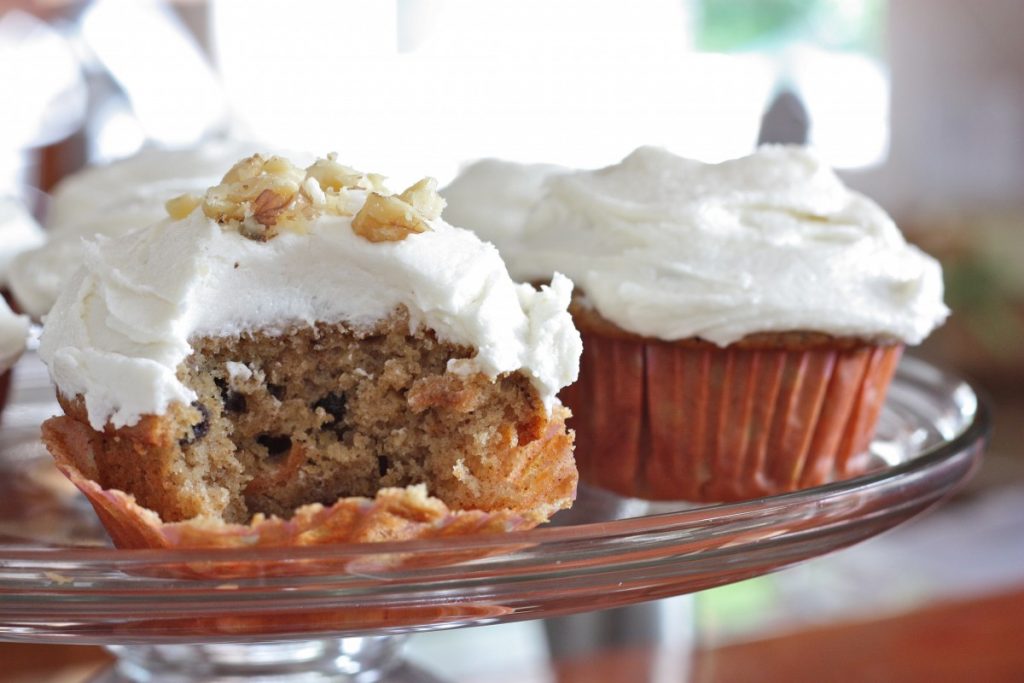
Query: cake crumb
pixel 58 578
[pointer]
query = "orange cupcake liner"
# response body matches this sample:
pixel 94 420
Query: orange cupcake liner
pixel 394 514
pixel 698 422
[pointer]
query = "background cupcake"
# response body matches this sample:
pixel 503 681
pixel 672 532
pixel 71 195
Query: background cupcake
pixel 741 321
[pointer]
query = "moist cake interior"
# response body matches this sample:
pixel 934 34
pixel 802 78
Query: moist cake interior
pixel 319 413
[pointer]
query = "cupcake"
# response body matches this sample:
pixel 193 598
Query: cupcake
pixel 300 356
pixel 741 321
pixel 110 199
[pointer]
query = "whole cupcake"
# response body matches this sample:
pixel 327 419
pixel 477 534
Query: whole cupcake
pixel 300 356
pixel 741 321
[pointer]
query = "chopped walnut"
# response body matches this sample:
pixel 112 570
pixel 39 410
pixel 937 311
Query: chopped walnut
pixel 246 169
pixel 332 175
pixel 262 196
pixel 266 209
pixel 254 195
pixel 424 198
pixel 181 206
pixel 375 182
pixel 387 218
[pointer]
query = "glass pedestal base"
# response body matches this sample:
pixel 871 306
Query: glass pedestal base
pixel 374 659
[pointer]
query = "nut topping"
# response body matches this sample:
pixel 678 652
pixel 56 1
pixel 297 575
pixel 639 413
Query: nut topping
pixel 262 196
pixel 268 205
pixel 181 206
pixel 424 198
pixel 387 218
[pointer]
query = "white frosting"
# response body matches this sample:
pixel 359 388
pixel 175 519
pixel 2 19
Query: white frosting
pixel 494 197
pixel 18 232
pixel 122 326
pixel 672 248
pixel 13 333
pixel 112 200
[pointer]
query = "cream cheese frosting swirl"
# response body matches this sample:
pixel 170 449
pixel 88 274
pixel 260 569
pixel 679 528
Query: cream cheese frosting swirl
pixel 671 248
pixel 122 326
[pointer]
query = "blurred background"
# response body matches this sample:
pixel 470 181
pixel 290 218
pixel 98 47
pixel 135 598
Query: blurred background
pixel 919 103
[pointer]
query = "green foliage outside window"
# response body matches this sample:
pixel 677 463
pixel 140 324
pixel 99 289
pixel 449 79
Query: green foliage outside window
pixel 765 25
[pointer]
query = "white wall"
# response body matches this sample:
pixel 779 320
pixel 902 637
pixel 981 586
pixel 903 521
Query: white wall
pixel 957 120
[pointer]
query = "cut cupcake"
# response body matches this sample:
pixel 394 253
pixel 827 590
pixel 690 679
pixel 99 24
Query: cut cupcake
pixel 300 356
pixel 741 321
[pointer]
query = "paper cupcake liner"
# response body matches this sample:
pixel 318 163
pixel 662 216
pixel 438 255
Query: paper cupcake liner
pixel 698 422
pixel 394 514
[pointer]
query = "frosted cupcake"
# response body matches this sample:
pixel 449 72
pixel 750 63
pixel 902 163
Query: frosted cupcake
pixel 111 199
pixel 741 321
pixel 299 356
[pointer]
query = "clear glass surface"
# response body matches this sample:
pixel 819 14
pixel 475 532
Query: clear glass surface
pixel 59 581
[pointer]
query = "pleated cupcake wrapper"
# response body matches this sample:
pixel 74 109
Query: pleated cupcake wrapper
pixel 676 422
pixel 394 514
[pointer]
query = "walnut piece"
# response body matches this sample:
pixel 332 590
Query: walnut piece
pixel 269 205
pixel 181 206
pixel 334 176
pixel 424 198
pixel 387 218
pixel 262 196
pixel 254 196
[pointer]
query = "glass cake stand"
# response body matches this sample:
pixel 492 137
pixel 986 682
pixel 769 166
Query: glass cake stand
pixel 338 613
